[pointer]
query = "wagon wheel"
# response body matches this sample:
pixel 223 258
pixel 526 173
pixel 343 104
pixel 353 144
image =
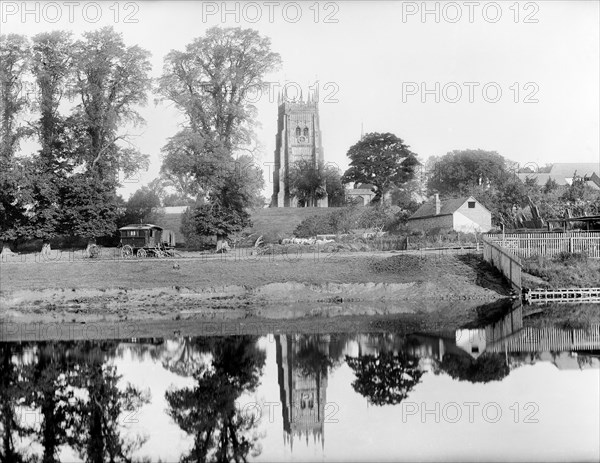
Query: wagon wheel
pixel 127 252
pixel 141 253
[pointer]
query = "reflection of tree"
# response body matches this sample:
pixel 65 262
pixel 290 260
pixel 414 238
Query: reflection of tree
pixel 96 427
pixel 208 412
pixel 309 359
pixel 10 394
pixel 47 390
pixel 487 367
pixel 385 379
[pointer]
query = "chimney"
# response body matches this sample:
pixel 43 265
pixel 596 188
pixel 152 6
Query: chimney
pixel 438 204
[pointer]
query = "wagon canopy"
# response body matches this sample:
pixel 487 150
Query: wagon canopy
pixel 140 226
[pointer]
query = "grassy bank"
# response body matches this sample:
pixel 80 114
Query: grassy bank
pixel 563 271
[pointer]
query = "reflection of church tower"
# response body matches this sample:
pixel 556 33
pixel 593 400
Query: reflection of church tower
pixel 302 386
pixel 298 137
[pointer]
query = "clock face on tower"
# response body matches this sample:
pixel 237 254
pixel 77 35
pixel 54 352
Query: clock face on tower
pixel 301 139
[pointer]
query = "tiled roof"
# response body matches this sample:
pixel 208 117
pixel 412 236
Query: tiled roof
pixel 449 206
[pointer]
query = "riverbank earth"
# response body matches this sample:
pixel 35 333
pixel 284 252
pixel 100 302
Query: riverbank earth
pixel 154 297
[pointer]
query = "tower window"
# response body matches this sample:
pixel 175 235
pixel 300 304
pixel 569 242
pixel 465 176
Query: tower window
pixel 298 131
pixel 306 131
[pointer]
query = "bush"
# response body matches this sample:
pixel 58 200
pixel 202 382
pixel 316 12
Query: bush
pixel 568 258
pixel 344 219
pixel 314 225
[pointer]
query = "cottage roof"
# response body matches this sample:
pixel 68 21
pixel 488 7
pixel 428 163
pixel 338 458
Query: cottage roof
pixel 449 206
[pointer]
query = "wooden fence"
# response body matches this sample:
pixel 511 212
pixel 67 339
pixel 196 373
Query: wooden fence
pixel 549 244
pixel 548 339
pixel 505 260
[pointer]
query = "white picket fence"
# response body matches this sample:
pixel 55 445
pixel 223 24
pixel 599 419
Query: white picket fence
pixel 549 244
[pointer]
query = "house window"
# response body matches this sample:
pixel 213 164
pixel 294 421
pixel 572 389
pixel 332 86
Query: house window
pixel 475 350
pixel 306 131
pixel 471 204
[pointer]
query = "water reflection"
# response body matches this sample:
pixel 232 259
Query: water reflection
pixel 207 410
pixel 55 394
pixel 70 400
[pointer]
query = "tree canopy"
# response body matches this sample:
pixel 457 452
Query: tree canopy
pixel 460 171
pixel 386 378
pixel 310 182
pixel 208 82
pixel 381 160
pixel 69 186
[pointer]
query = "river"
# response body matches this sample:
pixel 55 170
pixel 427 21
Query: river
pixel 502 391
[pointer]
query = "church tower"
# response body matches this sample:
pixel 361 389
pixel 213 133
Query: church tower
pixel 298 137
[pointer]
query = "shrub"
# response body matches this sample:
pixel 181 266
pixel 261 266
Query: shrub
pixel 314 225
pixel 568 258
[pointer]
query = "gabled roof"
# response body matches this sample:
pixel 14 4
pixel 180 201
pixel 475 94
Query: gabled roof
pixel 140 226
pixel 449 207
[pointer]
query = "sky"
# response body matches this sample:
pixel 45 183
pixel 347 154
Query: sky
pixel 519 78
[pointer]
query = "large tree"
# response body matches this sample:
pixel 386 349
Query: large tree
pixel 111 82
pixel 15 60
pixel 307 182
pixel 381 160
pixel 208 83
pixel 69 186
pixel 47 171
pixel 142 207
pixel 461 171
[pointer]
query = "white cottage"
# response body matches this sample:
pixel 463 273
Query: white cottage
pixel 461 214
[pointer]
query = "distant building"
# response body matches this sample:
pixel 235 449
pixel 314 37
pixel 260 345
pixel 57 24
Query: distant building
pixel 562 173
pixel 462 214
pixel 362 194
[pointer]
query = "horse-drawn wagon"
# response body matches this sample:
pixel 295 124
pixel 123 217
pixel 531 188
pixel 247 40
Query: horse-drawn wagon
pixel 146 240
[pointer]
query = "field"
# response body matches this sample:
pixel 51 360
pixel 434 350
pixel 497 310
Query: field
pixel 272 223
pixel 279 222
